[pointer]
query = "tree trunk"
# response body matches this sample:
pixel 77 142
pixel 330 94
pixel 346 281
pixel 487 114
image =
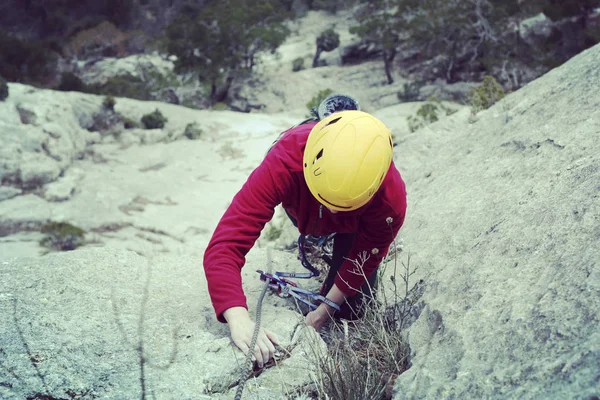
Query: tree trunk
pixel 219 94
pixel 388 58
pixel 316 58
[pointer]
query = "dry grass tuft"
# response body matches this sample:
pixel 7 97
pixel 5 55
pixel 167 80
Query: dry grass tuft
pixel 365 357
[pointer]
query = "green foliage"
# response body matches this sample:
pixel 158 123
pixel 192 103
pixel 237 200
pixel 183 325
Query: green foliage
pixel 220 106
pixel 109 103
pixel 123 86
pixel 193 131
pixel 328 40
pixel 70 82
pixel 331 6
pixel 62 236
pixel 226 36
pixel 129 123
pixel 298 64
pixel 28 61
pixel 428 113
pixel 411 91
pixel 154 120
pixel 272 232
pixel 483 97
pixel 557 9
pixel 381 25
pixel 3 89
pixel 318 98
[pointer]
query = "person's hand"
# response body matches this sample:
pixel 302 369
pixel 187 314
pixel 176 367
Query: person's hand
pixel 241 328
pixel 319 317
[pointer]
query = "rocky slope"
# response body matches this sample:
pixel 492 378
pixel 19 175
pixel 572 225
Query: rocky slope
pixel 502 225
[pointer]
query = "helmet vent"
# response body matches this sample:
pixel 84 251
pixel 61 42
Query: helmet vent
pixel 319 155
pixel 333 121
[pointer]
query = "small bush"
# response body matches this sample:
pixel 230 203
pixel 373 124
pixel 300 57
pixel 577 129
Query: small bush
pixel 26 60
pixel 298 64
pixel 109 103
pixel 371 350
pixel 485 96
pixel 62 236
pixel 154 120
pixel 318 98
pixel 220 106
pixel 123 86
pixel 428 113
pixel 129 123
pixel 328 40
pixel 3 89
pixel 411 92
pixel 70 82
pixel 192 131
pixel 330 6
pixel 272 232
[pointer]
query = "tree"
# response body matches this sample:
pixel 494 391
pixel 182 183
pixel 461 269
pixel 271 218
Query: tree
pixel 462 35
pixel 379 25
pixel 328 40
pixel 225 37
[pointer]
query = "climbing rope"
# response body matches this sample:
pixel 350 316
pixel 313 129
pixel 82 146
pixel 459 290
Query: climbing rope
pixel 247 366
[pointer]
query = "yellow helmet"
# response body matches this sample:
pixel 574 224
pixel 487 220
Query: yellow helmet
pixel 347 155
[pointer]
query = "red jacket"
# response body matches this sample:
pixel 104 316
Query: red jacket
pixel 279 179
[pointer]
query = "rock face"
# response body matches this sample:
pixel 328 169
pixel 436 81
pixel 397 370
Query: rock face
pixel 99 324
pixel 504 224
pixel 40 135
pixel 137 66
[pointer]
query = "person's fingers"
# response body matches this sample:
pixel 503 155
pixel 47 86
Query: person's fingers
pixel 242 346
pixel 272 337
pixel 258 355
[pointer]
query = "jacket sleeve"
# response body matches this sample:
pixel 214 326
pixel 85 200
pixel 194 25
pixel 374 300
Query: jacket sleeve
pixel 239 228
pixel 378 228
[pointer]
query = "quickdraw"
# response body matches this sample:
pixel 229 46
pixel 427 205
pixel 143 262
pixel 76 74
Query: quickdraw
pixel 285 287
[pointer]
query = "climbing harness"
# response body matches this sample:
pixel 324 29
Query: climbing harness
pixel 284 287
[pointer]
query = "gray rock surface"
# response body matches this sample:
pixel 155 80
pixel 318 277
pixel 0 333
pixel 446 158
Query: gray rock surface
pixel 504 225
pixel 79 324
pixel 40 135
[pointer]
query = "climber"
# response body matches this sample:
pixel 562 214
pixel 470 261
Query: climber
pixel 334 175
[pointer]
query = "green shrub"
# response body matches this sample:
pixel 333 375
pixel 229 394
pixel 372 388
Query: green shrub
pixel 26 60
pixel 154 120
pixel 70 82
pixel 330 6
pixel 62 236
pixel 328 40
pixel 192 131
pixel 483 97
pixel 298 64
pixel 129 123
pixel 109 103
pixel 318 98
pixel 428 113
pixel 411 92
pixel 123 86
pixel 3 89
pixel 273 232
pixel 220 106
